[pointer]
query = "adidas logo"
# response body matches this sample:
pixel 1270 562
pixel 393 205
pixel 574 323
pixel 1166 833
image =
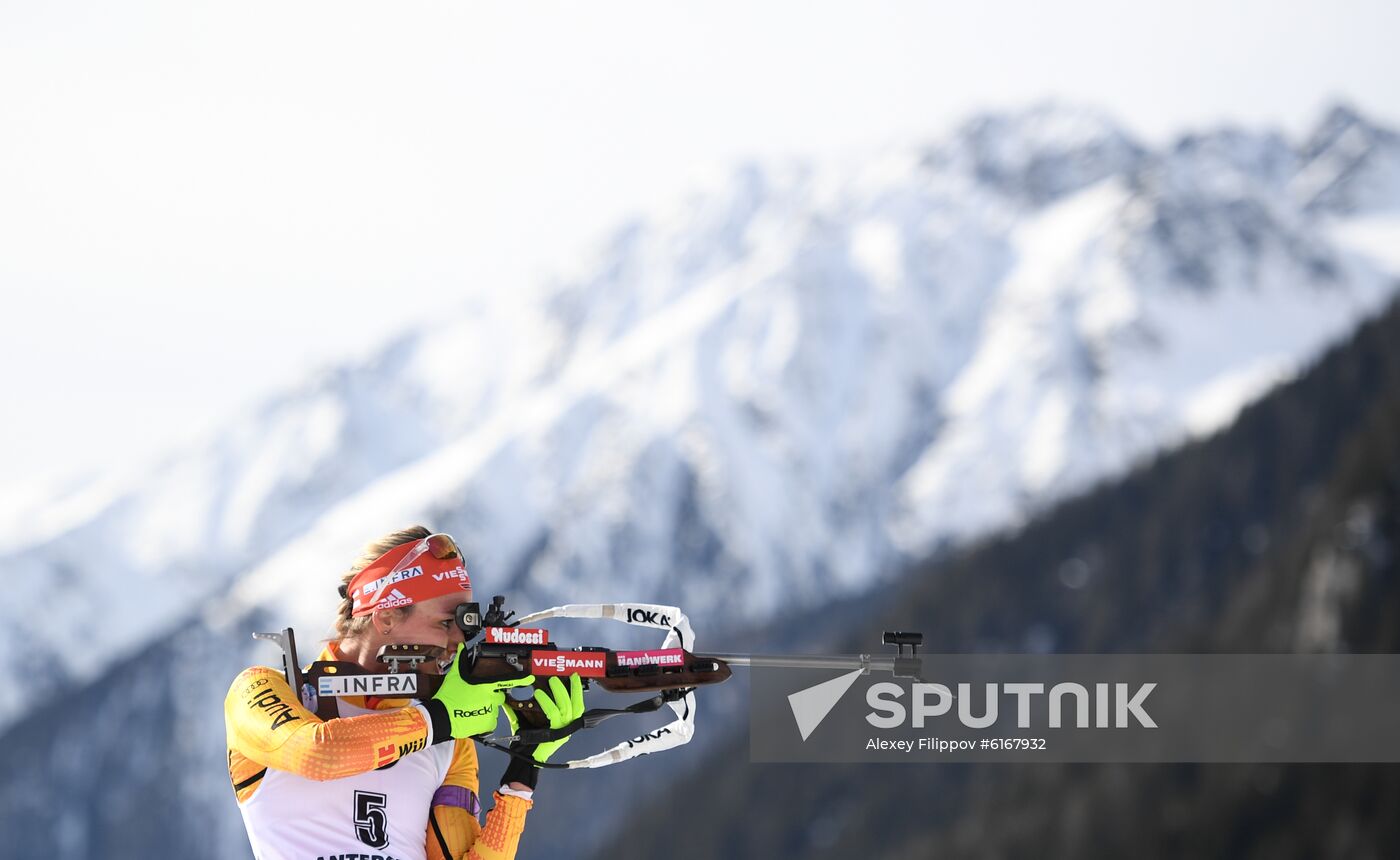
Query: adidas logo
pixel 393 598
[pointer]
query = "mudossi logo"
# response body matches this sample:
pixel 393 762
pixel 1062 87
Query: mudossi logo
pixel 517 636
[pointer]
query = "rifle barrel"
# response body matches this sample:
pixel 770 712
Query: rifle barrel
pixel 804 661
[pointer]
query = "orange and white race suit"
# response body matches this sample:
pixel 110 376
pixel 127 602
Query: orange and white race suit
pixel 370 785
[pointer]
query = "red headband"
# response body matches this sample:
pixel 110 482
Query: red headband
pixel 410 573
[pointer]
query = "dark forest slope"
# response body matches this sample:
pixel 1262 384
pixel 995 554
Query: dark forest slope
pixel 1280 533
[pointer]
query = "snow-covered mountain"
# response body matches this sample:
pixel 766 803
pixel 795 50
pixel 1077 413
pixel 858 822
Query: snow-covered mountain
pixel 769 394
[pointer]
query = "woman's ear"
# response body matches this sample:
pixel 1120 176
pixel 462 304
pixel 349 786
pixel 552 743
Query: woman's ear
pixel 384 620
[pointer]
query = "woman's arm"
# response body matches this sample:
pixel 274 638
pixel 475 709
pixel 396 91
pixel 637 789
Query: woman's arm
pixel 453 830
pixel 267 724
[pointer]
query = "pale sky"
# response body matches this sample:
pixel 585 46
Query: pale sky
pixel 201 201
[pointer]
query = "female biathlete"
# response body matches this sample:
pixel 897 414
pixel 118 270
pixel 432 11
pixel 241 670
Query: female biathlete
pixel 388 779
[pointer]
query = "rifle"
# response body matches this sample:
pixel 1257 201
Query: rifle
pixel 499 648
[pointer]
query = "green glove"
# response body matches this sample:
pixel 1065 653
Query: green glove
pixel 560 706
pixel 469 709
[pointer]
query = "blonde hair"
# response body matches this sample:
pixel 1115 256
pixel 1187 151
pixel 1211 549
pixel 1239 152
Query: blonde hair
pixel 346 624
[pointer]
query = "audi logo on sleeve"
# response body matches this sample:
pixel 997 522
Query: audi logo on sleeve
pixel 585 663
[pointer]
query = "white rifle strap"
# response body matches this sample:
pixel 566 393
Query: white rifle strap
pixel 678 635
